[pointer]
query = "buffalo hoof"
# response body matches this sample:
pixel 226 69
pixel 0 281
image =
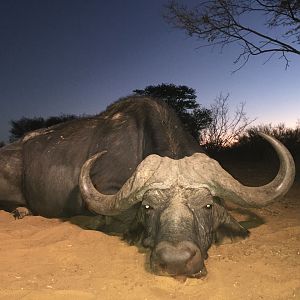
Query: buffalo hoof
pixel 21 212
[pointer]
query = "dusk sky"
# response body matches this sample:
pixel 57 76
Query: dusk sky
pixel 77 56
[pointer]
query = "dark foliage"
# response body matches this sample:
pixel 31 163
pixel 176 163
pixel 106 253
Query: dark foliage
pixel 183 100
pixel 2 144
pixel 251 147
pixel 290 137
pixel 24 125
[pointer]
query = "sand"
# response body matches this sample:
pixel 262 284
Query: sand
pixel 53 259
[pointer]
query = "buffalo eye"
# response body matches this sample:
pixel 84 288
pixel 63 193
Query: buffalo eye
pixel 208 206
pixel 147 207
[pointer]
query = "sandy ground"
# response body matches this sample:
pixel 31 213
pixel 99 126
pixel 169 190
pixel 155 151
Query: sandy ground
pixel 52 259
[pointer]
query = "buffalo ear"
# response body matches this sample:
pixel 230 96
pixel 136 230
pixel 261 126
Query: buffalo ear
pixel 135 232
pixel 225 226
pixel 134 235
pixel 225 235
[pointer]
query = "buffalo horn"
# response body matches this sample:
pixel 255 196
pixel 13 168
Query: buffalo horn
pixel 130 193
pixel 226 187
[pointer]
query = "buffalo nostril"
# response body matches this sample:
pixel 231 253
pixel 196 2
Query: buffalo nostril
pixel 163 267
pixel 172 256
pixel 177 259
pixel 148 242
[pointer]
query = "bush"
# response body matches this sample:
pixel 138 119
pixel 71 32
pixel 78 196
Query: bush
pixel 251 146
pixel 290 137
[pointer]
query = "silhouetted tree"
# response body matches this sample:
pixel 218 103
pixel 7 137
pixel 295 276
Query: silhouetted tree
pixel 251 146
pixel 2 144
pixel 223 22
pixel 183 100
pixel 290 137
pixel 24 125
pixel 226 128
pixel 60 119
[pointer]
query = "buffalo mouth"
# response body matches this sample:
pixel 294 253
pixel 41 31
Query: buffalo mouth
pixel 182 260
pixel 182 277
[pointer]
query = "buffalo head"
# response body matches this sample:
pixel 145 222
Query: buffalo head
pixel 179 212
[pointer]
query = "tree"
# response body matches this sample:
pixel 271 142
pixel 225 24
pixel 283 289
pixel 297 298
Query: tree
pixel 223 22
pixel 2 144
pixel 250 144
pixel 290 137
pixel 24 125
pixel 225 128
pixel 183 100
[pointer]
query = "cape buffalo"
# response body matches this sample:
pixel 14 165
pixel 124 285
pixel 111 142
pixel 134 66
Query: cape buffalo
pixel 135 165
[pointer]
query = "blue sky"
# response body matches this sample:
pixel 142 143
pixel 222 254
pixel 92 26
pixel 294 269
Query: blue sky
pixel 76 57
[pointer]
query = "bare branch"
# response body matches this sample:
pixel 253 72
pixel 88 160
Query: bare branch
pixel 225 129
pixel 222 22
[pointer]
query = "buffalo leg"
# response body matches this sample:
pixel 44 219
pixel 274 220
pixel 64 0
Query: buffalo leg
pixel 21 212
pixel 11 195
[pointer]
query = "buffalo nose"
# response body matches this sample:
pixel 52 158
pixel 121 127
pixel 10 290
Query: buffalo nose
pixel 181 259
